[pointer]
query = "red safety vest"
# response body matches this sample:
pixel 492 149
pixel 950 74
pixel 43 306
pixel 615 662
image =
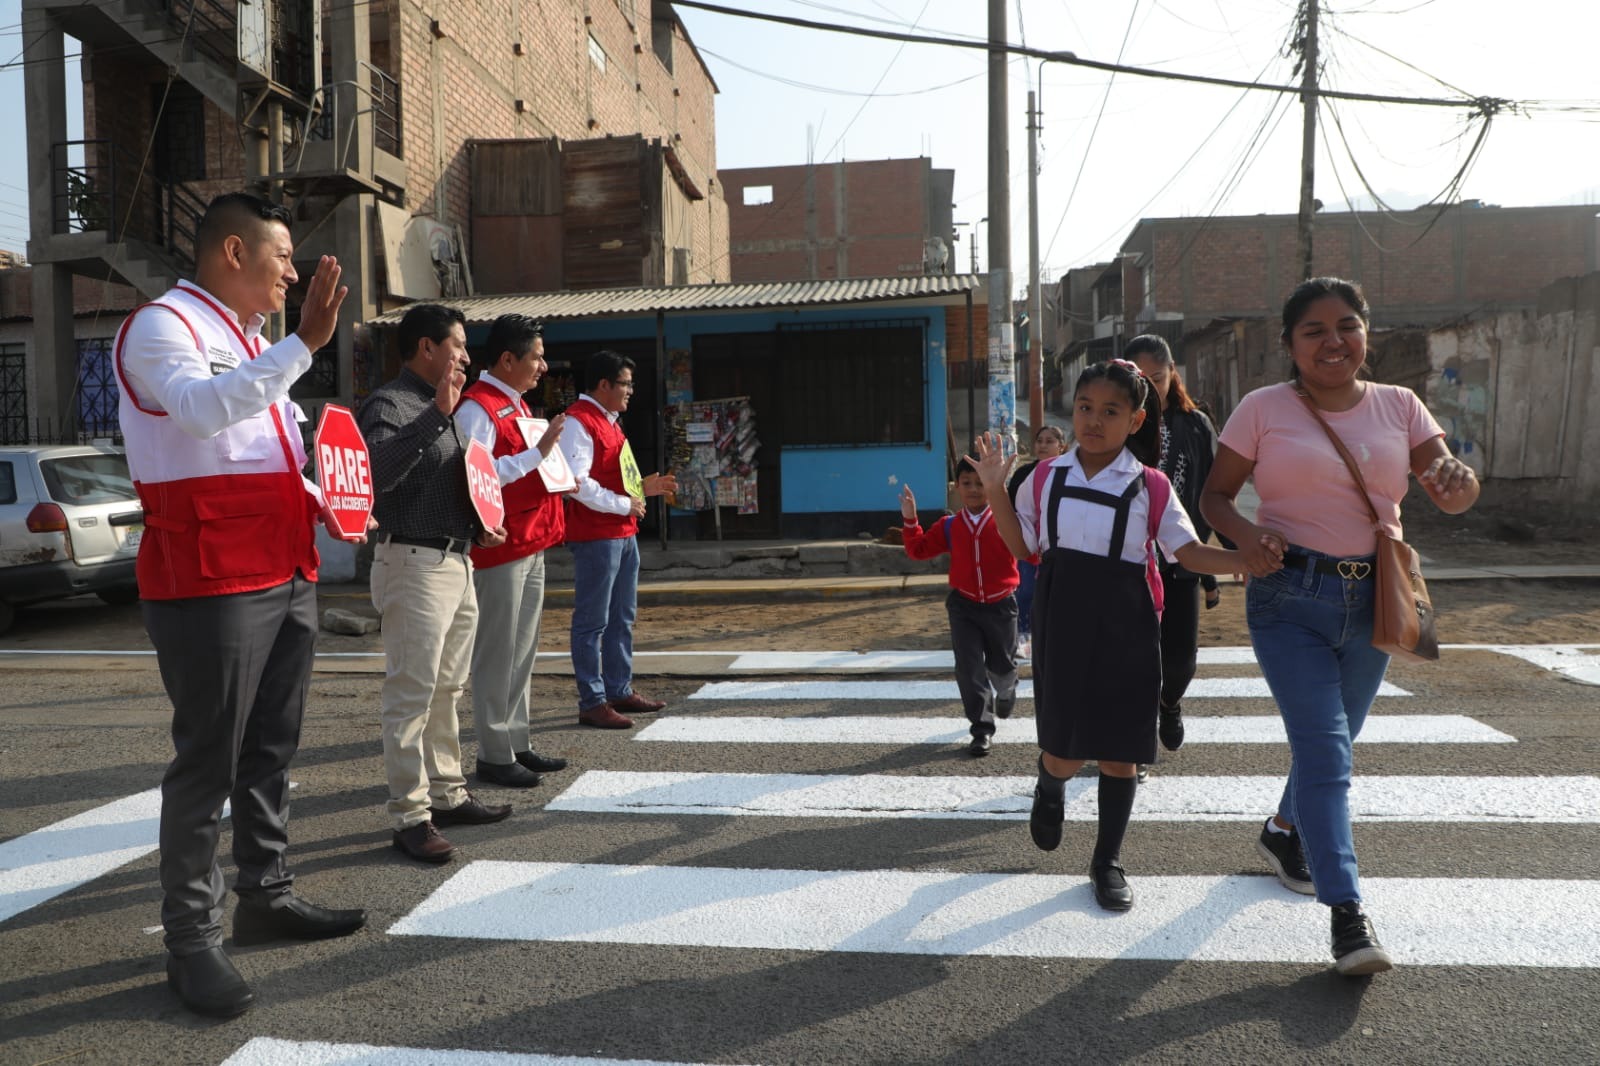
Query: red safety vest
pixel 534 517
pixel 585 523
pixel 227 514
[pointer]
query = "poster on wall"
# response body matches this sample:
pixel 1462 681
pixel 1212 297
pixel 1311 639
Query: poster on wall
pixel 712 446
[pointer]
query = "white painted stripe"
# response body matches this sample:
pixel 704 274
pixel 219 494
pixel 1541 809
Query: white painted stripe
pixel 41 865
pixel 1569 660
pixel 1565 800
pixel 1235 919
pixel 880 729
pixel 795 662
pixel 264 1051
pixel 886 691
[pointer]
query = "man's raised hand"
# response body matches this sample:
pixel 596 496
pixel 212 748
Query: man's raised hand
pixel 319 313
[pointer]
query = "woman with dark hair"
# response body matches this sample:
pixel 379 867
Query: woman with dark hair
pixel 1188 443
pixel 1311 622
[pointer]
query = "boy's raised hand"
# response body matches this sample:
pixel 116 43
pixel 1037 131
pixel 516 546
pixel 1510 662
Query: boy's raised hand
pixel 908 503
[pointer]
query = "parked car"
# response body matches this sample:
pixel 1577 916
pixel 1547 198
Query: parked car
pixel 70 523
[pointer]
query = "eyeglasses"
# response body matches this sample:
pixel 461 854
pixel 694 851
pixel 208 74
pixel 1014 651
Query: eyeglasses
pixel 628 385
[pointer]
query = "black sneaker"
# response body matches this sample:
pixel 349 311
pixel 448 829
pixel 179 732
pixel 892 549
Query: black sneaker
pixel 1110 883
pixel 1044 821
pixel 1170 727
pixel 1283 853
pixel 1356 951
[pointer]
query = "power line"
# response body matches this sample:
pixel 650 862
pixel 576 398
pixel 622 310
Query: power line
pixel 833 91
pixel 1072 59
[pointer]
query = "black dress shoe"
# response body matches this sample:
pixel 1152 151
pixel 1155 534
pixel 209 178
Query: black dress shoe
pixel 290 918
pixel 1044 821
pixel 207 983
pixel 473 812
pixel 544 764
pixel 507 775
pixel 1111 889
pixel 980 745
pixel 1169 727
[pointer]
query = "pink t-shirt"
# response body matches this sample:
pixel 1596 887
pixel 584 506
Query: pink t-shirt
pixel 1305 488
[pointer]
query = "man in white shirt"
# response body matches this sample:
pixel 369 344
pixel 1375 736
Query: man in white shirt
pixel 509 578
pixel 226 570
pixel 602 531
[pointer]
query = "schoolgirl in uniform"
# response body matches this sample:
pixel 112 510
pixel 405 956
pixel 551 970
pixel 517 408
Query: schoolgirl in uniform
pixel 1096 626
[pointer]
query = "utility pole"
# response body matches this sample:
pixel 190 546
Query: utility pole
pixel 1308 140
pixel 1002 332
pixel 1035 299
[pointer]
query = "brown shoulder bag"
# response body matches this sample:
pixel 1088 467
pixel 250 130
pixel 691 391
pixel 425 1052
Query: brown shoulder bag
pixel 1402 614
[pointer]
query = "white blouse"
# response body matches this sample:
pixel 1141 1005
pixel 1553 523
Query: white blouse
pixel 1085 526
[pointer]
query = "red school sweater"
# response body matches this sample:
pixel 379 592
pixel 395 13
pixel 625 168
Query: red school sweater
pixel 982 568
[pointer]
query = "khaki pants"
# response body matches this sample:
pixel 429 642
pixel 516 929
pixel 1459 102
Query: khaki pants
pixel 510 603
pixel 429 614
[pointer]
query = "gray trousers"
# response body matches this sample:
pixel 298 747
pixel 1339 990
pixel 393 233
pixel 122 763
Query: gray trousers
pixel 237 669
pixel 510 605
pixel 984 639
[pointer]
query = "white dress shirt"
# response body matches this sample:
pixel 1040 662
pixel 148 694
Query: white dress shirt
pixel 478 423
pixel 578 447
pixel 1085 526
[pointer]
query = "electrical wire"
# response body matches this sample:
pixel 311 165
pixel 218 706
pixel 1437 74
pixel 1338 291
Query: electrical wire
pixel 793 83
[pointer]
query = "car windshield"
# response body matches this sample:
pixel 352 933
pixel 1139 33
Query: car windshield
pixel 85 479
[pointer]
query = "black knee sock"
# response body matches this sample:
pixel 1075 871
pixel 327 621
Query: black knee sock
pixel 1116 807
pixel 1049 784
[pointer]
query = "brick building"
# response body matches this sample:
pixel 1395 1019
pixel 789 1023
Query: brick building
pixel 861 219
pixel 359 115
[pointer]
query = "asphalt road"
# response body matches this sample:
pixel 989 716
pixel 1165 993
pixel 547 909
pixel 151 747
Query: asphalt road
pixel 84 982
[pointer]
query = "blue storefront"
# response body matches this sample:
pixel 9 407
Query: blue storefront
pixel 845 381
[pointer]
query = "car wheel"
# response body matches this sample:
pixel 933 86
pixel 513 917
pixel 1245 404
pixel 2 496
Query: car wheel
pixel 120 595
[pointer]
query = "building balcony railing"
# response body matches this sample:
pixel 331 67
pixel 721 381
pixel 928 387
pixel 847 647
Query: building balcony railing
pixel 101 187
pixel 383 103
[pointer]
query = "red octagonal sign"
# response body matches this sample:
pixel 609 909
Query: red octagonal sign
pixel 344 471
pixel 483 485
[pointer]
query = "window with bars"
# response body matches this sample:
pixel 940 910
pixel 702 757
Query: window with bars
pixel 13 394
pixel 854 383
pixel 98 394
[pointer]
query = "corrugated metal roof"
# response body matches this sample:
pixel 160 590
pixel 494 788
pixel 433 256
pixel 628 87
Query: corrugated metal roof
pixel 755 296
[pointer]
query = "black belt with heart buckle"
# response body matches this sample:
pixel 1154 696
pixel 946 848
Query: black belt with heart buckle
pixel 1348 569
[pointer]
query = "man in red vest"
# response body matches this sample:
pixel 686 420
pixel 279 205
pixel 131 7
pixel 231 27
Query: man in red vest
pixel 226 570
pixel 509 578
pixel 602 527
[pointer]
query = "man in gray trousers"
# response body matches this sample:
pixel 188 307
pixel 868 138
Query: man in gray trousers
pixel 226 570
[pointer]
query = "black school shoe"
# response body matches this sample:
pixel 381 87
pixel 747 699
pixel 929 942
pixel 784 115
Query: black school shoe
pixel 1356 951
pixel 1169 727
pixel 1110 883
pixel 1045 820
pixel 980 745
pixel 1287 859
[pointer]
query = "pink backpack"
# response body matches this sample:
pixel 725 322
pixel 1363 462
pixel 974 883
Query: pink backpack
pixel 1160 491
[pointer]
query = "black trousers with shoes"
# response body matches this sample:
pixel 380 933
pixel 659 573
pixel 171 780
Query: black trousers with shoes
pixel 984 639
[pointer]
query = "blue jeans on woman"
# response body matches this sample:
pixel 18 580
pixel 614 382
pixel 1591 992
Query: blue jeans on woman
pixel 1312 635
pixel 605 587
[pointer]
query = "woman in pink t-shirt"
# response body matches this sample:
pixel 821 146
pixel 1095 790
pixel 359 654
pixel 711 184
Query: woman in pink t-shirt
pixel 1311 620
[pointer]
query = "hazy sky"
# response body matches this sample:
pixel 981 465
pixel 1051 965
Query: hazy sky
pixel 1118 148
pixel 1137 161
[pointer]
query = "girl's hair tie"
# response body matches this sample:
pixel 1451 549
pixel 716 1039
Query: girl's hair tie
pixel 1129 365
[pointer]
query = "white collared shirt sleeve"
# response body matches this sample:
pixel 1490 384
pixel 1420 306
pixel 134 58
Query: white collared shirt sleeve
pixel 167 373
pixel 1176 528
pixel 578 447
pixel 472 419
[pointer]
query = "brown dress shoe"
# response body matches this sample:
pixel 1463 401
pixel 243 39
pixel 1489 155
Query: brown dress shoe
pixel 471 812
pixel 604 716
pixel 424 843
pixel 634 703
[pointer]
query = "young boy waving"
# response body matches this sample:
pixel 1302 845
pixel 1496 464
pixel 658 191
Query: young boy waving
pixel 982 603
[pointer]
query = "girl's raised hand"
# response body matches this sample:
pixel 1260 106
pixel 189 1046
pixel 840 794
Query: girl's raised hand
pixel 908 503
pixel 992 462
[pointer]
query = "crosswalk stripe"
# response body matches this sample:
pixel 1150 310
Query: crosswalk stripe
pixel 830 661
pixel 1199 689
pixel 1545 800
pixel 1423 921
pixel 883 729
pixel 41 865
pixel 265 1051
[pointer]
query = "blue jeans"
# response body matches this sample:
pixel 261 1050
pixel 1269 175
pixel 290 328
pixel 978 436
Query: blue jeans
pixel 1312 635
pixel 605 589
